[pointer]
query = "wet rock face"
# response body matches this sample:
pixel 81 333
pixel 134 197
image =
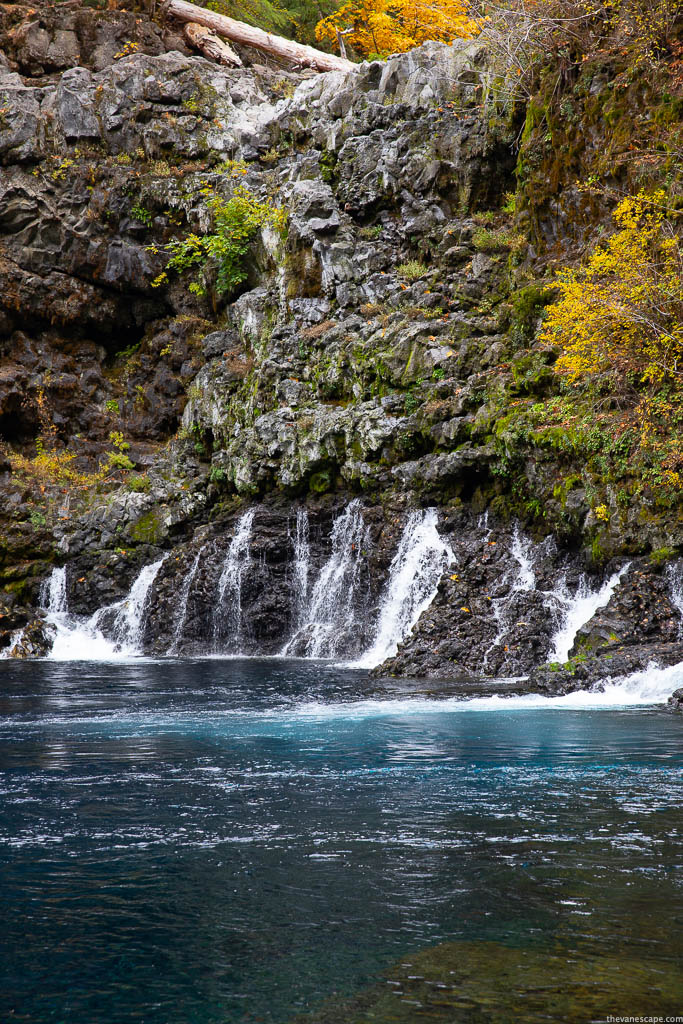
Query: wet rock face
pixel 202 601
pixel 640 626
pixel 496 608
pixel 640 611
pixel 354 359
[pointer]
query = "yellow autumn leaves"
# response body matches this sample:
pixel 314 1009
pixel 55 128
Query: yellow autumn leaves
pixel 376 28
pixel 622 314
pixel 619 326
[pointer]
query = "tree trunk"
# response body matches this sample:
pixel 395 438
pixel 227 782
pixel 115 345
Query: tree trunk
pixel 208 43
pixel 247 35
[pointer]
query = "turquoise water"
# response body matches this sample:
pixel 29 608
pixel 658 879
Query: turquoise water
pixel 250 841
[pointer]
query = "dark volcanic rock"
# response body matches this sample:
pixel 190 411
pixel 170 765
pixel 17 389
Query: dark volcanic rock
pixel 676 700
pixel 494 613
pixel 587 674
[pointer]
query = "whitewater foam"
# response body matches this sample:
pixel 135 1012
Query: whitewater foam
pixel 77 638
pixel 649 687
pixel 421 559
pixel 577 610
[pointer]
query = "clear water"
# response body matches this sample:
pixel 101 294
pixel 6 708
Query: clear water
pixel 250 841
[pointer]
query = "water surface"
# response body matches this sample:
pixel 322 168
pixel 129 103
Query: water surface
pixel 251 841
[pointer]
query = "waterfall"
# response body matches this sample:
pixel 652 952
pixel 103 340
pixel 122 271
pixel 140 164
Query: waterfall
pixel 332 615
pixel 302 560
pixel 228 612
pixel 416 568
pixel 522 552
pixel 114 631
pixel 53 592
pixel 183 602
pixel 524 580
pixel 577 610
pixel 128 625
pixel 674 577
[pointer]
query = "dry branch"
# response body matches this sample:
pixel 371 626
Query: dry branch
pixel 208 43
pixel 247 35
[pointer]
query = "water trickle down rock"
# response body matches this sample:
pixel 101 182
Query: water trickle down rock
pixel 674 577
pixel 301 567
pixel 183 602
pixel 420 560
pixel 576 610
pixel 109 633
pixel 520 578
pixel 227 620
pixel 334 622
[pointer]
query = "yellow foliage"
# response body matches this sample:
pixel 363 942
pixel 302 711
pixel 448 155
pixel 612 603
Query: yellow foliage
pixel 619 325
pixel 622 314
pixel 376 28
pixel 53 466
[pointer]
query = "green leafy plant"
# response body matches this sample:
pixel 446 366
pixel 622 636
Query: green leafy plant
pixel 412 270
pixel 139 484
pixel 143 215
pixel 223 251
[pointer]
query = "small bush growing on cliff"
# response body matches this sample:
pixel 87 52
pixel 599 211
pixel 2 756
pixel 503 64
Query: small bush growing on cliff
pixel 53 467
pixel 223 251
pixel 413 270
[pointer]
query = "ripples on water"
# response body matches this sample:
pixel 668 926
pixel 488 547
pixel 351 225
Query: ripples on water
pixel 226 841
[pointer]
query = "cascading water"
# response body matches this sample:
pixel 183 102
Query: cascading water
pixel 523 580
pixel 227 618
pixel 53 592
pixel 576 610
pixel 674 576
pixel 522 552
pixel 111 632
pixel 183 602
pixel 127 616
pixel 302 561
pixel 421 559
pixel 335 608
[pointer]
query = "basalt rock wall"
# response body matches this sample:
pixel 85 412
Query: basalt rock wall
pixel 384 330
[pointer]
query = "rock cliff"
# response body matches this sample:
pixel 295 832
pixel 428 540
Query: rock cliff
pixel 381 345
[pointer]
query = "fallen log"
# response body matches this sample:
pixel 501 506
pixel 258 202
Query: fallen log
pixel 207 42
pixel 247 35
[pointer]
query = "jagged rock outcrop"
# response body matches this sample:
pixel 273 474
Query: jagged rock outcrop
pixel 377 346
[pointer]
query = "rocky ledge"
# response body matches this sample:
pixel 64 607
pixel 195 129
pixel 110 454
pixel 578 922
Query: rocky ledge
pixel 375 350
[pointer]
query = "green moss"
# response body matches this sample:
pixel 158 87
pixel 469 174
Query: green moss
pixel 328 166
pixel 147 529
pixel 321 482
pixel 661 555
pixel 527 308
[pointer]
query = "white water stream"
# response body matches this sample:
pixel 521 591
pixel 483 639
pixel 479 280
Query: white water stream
pixel 330 610
pixel 227 616
pixel 335 601
pixel 81 638
pixel 302 561
pixel 576 610
pixel 184 599
pixel 420 561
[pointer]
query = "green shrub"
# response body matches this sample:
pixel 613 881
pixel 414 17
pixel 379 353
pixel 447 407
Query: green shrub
pixel 236 222
pixel 412 270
